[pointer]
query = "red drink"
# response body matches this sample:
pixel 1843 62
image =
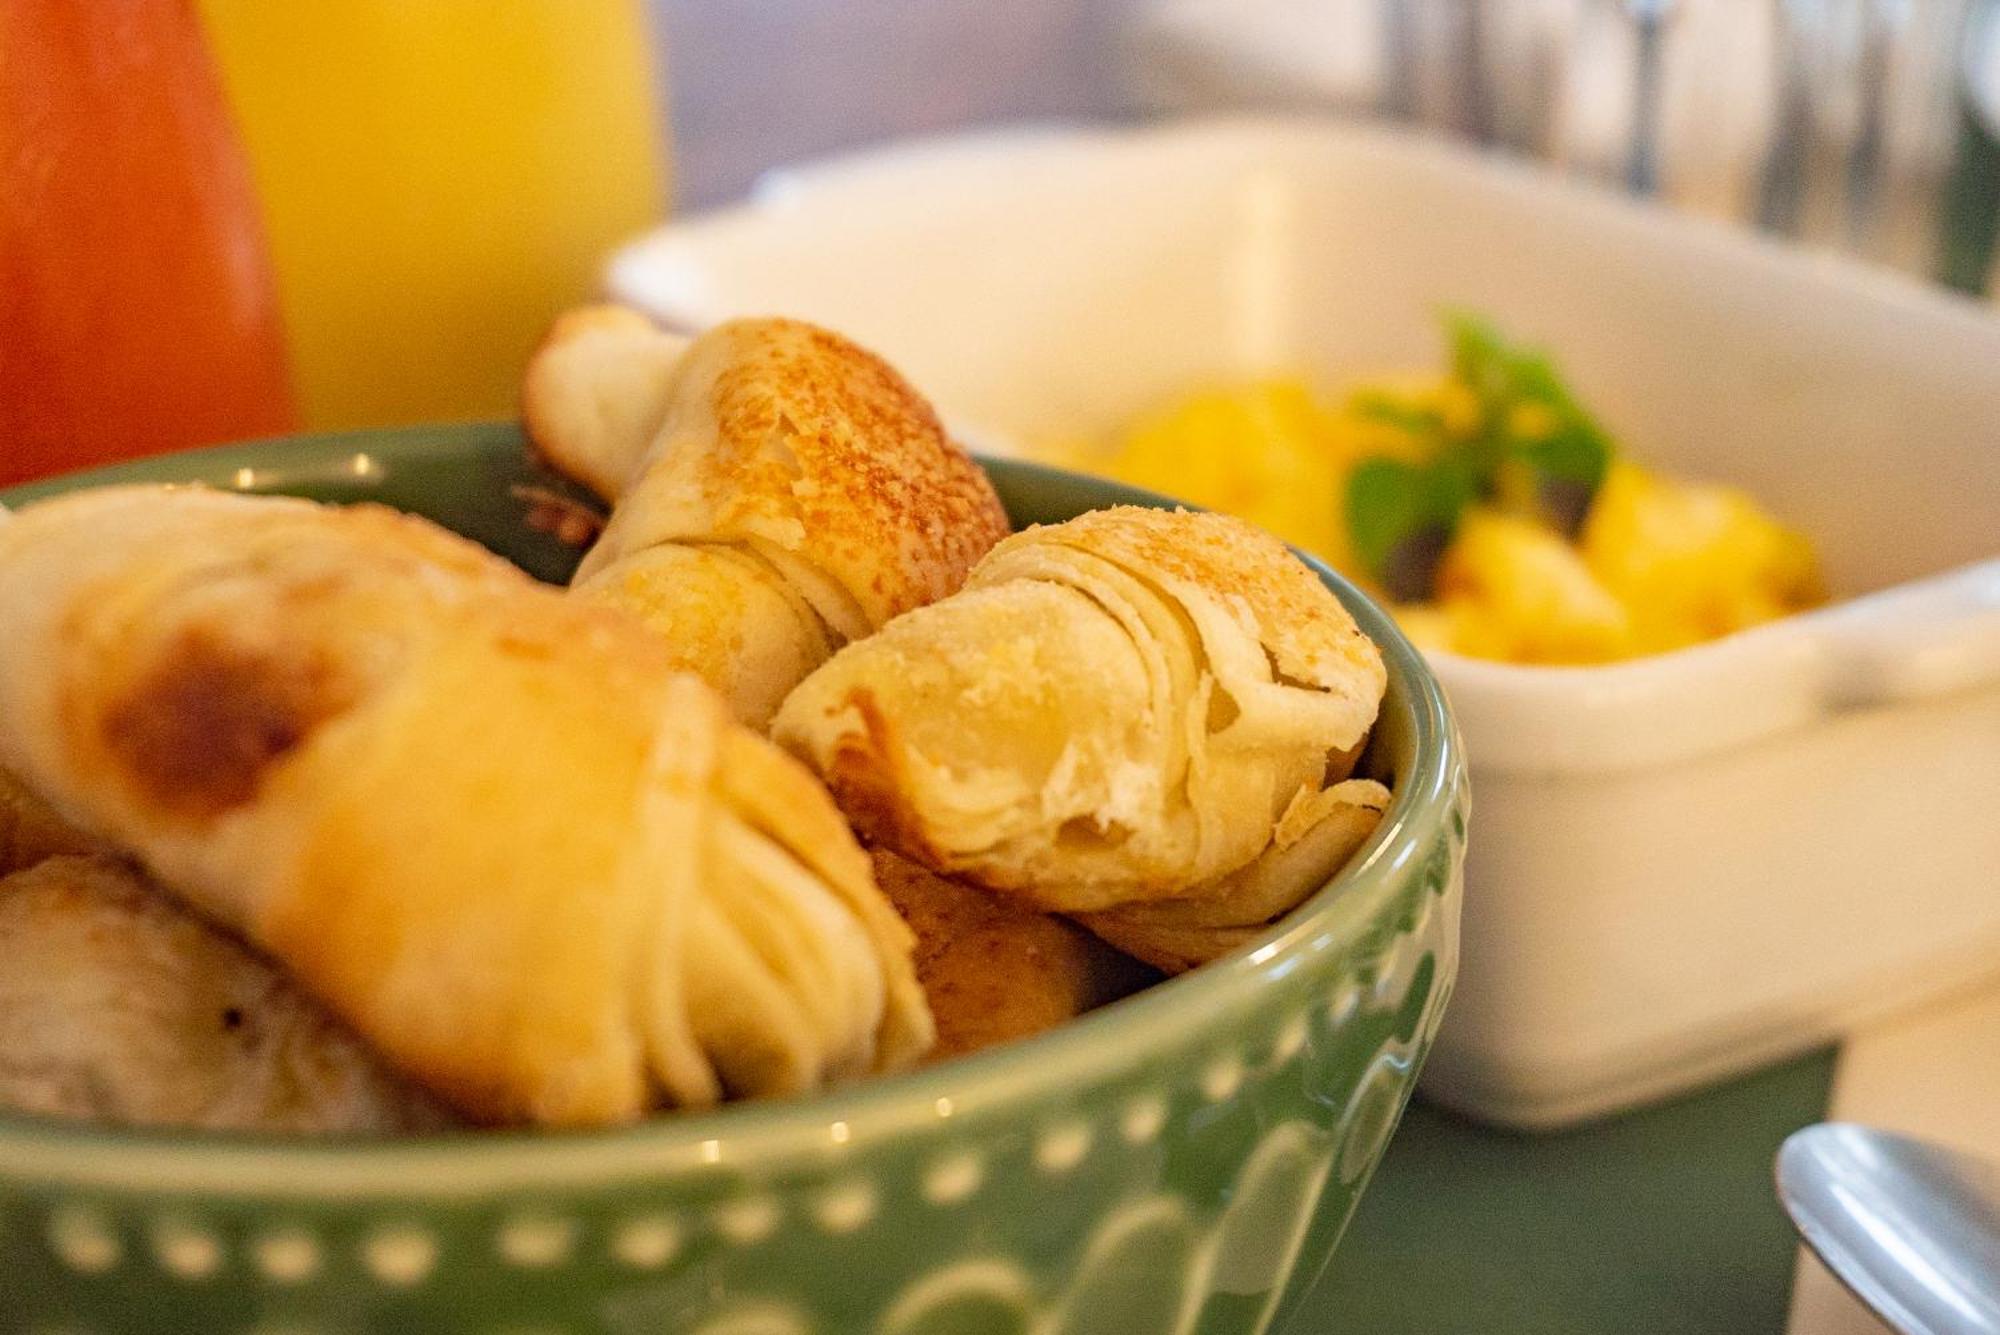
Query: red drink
pixel 137 308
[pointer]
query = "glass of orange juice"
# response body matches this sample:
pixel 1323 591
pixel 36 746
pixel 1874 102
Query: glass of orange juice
pixel 438 180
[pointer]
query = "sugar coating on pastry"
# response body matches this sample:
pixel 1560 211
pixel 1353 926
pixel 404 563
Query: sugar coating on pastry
pixel 802 456
pixel 784 435
pixel 1114 710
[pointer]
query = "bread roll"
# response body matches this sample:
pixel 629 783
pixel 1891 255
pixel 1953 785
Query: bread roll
pixel 595 391
pixel 118 1005
pixel 491 827
pixel 803 493
pixel 995 971
pixel 1115 710
pixel 725 609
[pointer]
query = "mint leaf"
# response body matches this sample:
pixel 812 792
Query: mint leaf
pixel 1534 450
pixel 1568 459
pixel 1573 453
pixel 1387 500
pixel 1401 517
pixel 1387 409
pixel 1479 355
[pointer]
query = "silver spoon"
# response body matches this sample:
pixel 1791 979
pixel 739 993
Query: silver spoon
pixel 1913 1230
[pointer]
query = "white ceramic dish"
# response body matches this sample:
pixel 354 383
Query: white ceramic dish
pixel 1683 866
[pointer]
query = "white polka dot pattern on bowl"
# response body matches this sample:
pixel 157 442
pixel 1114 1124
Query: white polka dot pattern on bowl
pixel 84 1240
pixel 1291 1041
pixel 953 1179
pixel 762 1319
pixel 1061 1148
pixel 845 1208
pixel 1223 1078
pixel 535 1242
pixel 748 1221
pixel 1143 1120
pixel 400 1254
pixel 286 1256
pixel 186 1250
pixel 1344 1004
pixel 647 1242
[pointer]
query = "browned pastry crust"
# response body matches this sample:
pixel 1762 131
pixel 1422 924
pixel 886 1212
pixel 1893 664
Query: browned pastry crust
pixel 781 490
pixel 993 970
pixel 31 830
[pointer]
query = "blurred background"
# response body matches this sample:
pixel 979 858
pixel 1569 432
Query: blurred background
pixel 360 212
pixel 1868 125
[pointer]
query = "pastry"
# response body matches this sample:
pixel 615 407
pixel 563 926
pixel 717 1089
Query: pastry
pixel 1313 841
pixel 489 826
pixel 121 1006
pixel 595 391
pixel 778 491
pixel 32 830
pixel 993 970
pixel 1114 710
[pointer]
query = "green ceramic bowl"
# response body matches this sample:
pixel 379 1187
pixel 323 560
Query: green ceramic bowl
pixel 1181 1161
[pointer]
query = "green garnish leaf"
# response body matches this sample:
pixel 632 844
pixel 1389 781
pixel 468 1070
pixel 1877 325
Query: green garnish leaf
pixel 1565 450
pixel 1386 501
pixel 1479 355
pixel 1534 450
pixel 1401 517
pixel 1573 453
pixel 1413 419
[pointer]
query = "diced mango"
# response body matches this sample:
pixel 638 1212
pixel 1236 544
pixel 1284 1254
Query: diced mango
pixel 1511 589
pixel 1268 450
pixel 1693 562
pixel 1259 451
pixel 1658 564
pixel 1428 626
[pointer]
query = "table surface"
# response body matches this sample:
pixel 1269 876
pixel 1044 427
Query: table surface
pixel 1660 1222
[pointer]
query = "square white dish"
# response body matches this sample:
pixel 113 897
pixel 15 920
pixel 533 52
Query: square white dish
pixel 1680 867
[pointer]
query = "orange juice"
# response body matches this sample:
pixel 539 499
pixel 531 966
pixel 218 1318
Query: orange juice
pixel 439 178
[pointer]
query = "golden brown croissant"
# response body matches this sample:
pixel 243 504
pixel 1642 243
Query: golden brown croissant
pixel 490 826
pixel 119 1005
pixel 1116 709
pixel 993 970
pixel 595 391
pixel 779 492
pixel 1313 840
